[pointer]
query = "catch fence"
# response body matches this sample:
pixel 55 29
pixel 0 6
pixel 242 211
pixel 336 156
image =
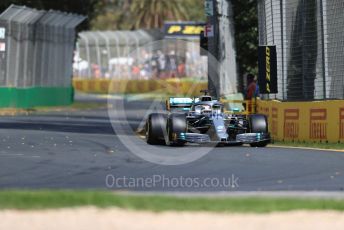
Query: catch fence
pixel 309 38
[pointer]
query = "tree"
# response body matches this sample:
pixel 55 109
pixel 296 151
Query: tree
pixel 152 13
pixel 195 10
pixel 115 15
pixel 124 14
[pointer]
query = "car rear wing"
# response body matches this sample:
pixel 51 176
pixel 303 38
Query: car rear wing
pixel 179 103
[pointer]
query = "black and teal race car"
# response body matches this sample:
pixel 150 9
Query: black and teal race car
pixel 204 120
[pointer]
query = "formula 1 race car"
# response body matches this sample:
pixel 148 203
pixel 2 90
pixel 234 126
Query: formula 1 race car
pixel 204 120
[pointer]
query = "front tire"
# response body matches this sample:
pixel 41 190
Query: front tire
pixel 176 125
pixel 258 124
pixel 155 129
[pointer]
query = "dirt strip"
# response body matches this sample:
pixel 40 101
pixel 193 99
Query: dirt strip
pixel 104 219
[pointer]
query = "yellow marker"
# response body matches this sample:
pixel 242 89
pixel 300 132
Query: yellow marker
pixel 174 29
pixel 268 64
pixel 193 29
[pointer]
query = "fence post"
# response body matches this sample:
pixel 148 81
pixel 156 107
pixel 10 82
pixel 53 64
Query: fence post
pixel 323 47
pixel 282 46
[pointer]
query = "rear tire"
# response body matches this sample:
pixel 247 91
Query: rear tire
pixel 155 129
pixel 176 125
pixel 258 124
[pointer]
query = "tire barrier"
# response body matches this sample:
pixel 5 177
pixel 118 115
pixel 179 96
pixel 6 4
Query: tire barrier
pixel 316 121
pixel 169 86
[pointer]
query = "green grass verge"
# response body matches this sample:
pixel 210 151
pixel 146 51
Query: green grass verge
pixel 338 146
pixel 27 200
pixel 75 106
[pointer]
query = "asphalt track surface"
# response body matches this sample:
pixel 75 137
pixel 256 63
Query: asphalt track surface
pixel 80 149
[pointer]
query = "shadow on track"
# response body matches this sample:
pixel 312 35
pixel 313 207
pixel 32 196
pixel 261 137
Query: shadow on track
pixel 87 127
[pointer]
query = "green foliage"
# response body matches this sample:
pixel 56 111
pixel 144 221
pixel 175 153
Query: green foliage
pixel 114 15
pixel 152 13
pixel 133 14
pixel 194 10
